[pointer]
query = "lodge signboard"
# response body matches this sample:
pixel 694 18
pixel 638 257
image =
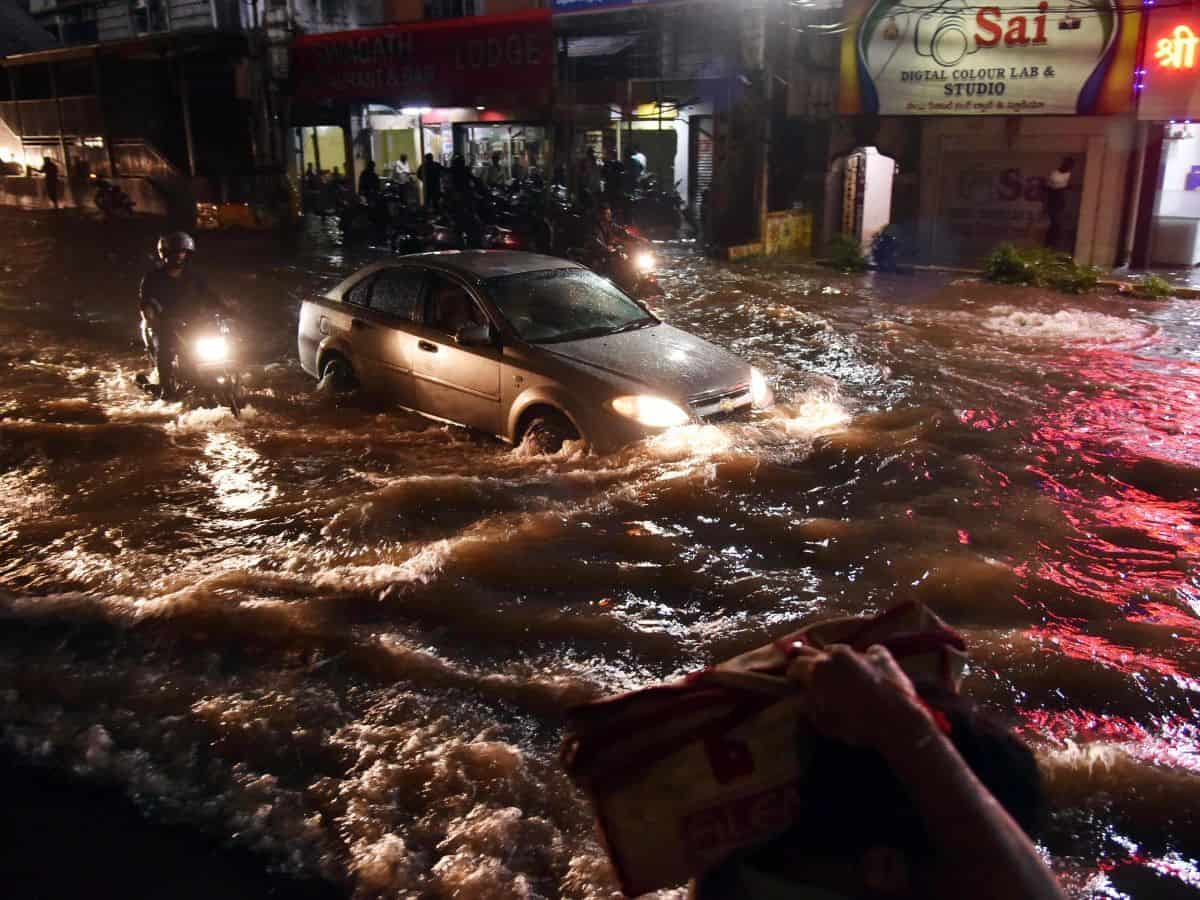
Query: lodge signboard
pixel 1004 57
pixel 458 62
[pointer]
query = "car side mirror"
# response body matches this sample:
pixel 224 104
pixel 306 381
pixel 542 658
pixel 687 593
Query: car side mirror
pixel 475 336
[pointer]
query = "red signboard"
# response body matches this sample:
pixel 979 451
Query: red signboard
pixel 1167 81
pixel 459 62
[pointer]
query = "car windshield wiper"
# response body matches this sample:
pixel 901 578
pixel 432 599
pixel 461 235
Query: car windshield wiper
pixel 635 324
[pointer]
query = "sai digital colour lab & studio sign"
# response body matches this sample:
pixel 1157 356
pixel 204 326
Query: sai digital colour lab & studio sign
pixel 1012 57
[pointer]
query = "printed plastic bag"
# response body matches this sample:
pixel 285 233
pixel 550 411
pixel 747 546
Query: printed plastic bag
pixel 682 774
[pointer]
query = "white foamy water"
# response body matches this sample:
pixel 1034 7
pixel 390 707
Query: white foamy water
pixel 1075 326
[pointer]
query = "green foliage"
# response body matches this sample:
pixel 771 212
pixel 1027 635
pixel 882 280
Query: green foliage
pixel 1039 267
pixel 1153 287
pixel 845 254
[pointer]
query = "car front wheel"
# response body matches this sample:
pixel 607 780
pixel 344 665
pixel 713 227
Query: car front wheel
pixel 336 376
pixel 547 433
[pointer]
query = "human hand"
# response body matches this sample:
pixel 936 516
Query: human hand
pixel 863 699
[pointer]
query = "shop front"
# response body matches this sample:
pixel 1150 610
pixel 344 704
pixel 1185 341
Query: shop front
pixel 1004 93
pixel 473 86
pixel 1167 197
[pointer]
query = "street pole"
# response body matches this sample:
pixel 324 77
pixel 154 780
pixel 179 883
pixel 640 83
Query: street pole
pixel 186 108
pixel 768 93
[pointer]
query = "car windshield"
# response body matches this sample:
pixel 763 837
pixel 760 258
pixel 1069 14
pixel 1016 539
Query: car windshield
pixel 556 305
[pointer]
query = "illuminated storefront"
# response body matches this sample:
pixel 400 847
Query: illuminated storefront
pixel 1167 194
pixel 474 86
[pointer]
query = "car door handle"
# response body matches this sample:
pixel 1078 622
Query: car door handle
pixel 427 347
pixel 360 324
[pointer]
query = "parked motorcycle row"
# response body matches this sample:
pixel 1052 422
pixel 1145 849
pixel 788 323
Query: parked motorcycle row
pixel 526 215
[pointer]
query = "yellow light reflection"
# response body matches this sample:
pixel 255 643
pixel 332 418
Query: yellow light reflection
pixel 232 466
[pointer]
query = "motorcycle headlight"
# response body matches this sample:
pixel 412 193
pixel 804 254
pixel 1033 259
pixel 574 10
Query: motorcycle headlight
pixel 761 394
pixel 651 411
pixel 212 349
pixel 644 262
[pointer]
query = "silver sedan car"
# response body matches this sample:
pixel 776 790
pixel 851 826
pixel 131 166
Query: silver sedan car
pixel 522 346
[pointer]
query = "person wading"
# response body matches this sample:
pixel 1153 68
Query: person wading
pixel 50 170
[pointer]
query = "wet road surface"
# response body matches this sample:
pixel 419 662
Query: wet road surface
pixel 344 636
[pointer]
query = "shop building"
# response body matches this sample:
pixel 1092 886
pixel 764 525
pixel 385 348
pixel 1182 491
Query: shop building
pixel 473 85
pixel 979 105
pixel 682 82
pixel 1165 192
pixel 168 98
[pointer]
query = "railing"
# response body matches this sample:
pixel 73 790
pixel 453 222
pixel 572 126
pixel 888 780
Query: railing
pixel 40 118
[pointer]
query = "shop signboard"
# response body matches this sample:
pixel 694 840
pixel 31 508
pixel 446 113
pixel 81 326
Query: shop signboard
pixel 456 62
pixel 1169 75
pixel 998 57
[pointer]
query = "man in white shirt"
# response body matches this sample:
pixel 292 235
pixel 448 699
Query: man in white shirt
pixel 1057 185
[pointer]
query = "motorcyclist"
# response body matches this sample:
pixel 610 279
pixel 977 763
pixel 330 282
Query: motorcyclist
pixel 604 238
pixel 169 294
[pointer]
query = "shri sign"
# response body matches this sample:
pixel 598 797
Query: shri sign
pixel 1012 57
pixel 1179 50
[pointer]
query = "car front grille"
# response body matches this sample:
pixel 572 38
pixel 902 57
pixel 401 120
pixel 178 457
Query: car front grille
pixel 721 404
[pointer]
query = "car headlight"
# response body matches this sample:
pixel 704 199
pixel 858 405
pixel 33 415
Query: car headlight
pixel 212 349
pixel 651 411
pixel 644 262
pixel 761 394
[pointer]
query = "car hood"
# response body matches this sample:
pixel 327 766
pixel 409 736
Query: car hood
pixel 664 359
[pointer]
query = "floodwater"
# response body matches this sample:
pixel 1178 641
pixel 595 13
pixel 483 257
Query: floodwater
pixel 344 636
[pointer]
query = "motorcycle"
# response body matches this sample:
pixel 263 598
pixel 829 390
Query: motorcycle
pixel 629 263
pixel 660 210
pixel 111 200
pixel 203 366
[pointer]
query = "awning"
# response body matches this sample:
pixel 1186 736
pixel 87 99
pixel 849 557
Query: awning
pixel 153 45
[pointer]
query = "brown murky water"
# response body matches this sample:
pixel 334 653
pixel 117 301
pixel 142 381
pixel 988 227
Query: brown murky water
pixel 344 636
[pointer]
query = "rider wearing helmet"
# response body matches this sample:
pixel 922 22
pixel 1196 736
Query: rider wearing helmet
pixel 169 293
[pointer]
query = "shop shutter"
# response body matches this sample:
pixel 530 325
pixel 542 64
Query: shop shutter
pixel 702 160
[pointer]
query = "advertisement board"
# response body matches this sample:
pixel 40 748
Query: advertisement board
pixel 455 62
pixel 1012 57
pixel 1168 77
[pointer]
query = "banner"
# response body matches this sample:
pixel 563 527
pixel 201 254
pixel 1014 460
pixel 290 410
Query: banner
pixel 1013 57
pixel 457 62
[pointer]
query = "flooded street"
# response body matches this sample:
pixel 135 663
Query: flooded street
pixel 345 635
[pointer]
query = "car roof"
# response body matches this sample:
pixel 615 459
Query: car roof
pixel 483 264
pixel 473 265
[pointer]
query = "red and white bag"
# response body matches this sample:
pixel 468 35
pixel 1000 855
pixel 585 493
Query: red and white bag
pixel 682 774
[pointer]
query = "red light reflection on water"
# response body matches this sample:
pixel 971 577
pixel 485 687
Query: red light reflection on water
pixel 1128 546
